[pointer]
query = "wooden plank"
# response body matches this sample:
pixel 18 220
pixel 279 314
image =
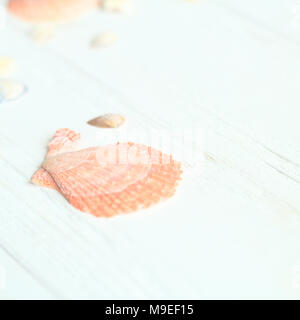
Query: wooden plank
pixel 231 231
pixel 16 282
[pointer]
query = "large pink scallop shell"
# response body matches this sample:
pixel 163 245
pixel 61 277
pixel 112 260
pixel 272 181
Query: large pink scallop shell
pixel 105 186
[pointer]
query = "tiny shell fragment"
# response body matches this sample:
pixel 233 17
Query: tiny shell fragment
pixel 11 90
pixel 7 66
pixel 43 33
pixel 109 120
pixel 103 40
pixel 114 5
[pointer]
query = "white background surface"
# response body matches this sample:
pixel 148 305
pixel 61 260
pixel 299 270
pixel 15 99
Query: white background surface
pixel 231 67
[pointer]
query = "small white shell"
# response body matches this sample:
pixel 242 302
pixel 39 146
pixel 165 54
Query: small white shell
pixel 109 120
pixel 7 66
pixel 104 39
pixel 11 90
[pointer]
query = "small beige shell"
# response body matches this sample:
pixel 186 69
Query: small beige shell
pixel 103 40
pixel 11 90
pixel 42 33
pixel 109 120
pixel 114 5
pixel 7 66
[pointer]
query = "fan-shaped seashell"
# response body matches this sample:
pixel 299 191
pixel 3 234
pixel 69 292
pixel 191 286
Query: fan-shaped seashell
pixel 109 120
pixel 50 10
pixel 103 40
pixel 11 90
pixel 107 180
pixel 7 66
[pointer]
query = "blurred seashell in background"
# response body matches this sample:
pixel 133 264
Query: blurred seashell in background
pixel 50 10
pixel 43 32
pixel 116 5
pixel 11 90
pixel 103 40
pixel 7 66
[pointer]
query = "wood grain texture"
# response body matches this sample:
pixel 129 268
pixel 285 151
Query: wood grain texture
pixel 232 231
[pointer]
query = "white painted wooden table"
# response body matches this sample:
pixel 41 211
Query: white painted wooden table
pixel 231 67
